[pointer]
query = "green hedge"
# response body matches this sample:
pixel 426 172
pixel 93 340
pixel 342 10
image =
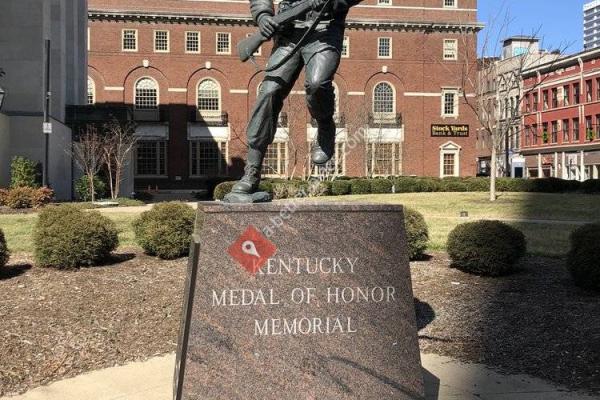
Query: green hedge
pixel 4 253
pixel 417 233
pixel 489 248
pixel 67 237
pixel 582 259
pixel 408 184
pixel 165 230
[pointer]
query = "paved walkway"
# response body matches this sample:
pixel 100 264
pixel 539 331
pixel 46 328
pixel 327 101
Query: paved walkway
pixel 445 379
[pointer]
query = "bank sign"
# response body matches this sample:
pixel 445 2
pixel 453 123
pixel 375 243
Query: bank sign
pixel 446 130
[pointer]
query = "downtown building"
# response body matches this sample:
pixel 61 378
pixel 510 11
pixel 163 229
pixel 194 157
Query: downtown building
pixel 561 118
pixel 171 66
pixel 591 25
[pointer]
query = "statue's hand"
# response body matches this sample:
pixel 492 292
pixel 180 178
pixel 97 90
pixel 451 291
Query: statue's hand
pixel 316 4
pixel 267 25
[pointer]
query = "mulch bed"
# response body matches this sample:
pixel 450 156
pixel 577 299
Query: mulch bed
pixel 58 324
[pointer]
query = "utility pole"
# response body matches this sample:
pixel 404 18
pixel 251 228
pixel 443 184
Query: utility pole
pixel 47 126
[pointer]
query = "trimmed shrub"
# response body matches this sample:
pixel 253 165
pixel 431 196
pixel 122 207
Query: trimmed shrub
pixel 222 189
pixel 27 197
pixel 489 248
pixel 4 253
pixel 82 189
pixel 405 184
pixel 3 196
pixel 68 237
pixel 477 184
pixel 165 230
pixel 381 186
pixel 281 190
pixel 589 186
pixel 453 185
pixel 428 184
pixel 582 259
pixel 360 186
pixel 266 186
pixel 340 187
pixel 317 188
pixel 417 233
pixel 23 173
pixel 552 185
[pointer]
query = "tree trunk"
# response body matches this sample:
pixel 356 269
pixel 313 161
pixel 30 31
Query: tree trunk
pixel 92 188
pixel 493 172
pixel 110 180
pixel 118 173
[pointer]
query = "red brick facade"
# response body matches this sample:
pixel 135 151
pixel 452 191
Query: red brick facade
pixel 561 118
pixel 416 71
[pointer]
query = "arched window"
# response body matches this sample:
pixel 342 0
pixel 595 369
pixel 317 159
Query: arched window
pixel 383 99
pixel 209 98
pixel 146 94
pixel 91 91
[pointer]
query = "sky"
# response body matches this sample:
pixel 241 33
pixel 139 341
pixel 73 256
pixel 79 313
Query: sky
pixel 559 23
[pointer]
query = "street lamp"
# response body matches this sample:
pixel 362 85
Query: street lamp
pixel 2 95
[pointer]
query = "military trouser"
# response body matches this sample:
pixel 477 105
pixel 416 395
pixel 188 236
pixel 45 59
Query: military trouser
pixel 321 56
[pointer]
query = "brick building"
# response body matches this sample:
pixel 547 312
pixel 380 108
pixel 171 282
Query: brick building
pixel 173 63
pixel 561 118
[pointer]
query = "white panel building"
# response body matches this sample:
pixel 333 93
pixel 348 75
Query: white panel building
pixel 591 25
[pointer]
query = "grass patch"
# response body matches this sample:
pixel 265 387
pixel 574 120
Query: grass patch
pixel 18 229
pixel 552 216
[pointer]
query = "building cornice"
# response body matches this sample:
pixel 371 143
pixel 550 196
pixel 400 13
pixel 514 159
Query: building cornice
pixel 246 20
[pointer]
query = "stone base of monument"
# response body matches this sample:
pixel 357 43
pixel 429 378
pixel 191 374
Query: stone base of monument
pixel 298 301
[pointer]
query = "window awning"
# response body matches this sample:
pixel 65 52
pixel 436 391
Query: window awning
pixel 202 131
pixel 152 131
pixel 383 135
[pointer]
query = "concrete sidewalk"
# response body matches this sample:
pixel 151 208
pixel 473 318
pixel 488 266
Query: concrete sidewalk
pixel 445 379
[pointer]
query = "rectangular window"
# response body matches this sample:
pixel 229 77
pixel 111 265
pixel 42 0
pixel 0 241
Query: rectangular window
pixel 208 158
pixel 597 127
pixel 545 133
pixel 566 128
pixel 130 39
pixel 566 95
pixel 450 49
pixel 337 165
pixel 450 4
pixel 554 137
pixel 151 158
pixel 161 41
pixel 527 135
pixel 545 97
pixel 450 103
pixel 589 129
pixel 576 129
pixel 536 100
pixel 576 94
pixel 527 104
pixel 384 159
pixel 449 166
pixel 597 89
pixel 346 47
pixel 384 47
pixel 223 43
pixel 192 42
pixel 534 134
pixel 276 160
pixel 588 90
pixel 555 98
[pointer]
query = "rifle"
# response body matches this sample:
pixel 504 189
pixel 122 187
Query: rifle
pixel 247 47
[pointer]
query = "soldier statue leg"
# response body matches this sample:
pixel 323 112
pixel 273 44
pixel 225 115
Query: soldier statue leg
pixel 262 126
pixel 320 70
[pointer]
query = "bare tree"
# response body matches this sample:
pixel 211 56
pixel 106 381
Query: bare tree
pixel 497 82
pixel 88 154
pixel 118 144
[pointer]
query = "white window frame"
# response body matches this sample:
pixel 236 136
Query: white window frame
pixel 135 94
pixel 454 149
pixel 397 161
pixel 450 54
pixel 92 86
pixel 282 159
pixel 156 31
pixel 123 40
pixel 346 47
pixel 456 93
pixel 217 43
pixel 446 5
pixel 383 116
pixel 199 42
pixel 379 47
pixel 224 156
pixel 207 115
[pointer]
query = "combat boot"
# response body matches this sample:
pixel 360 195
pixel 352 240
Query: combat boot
pixel 248 184
pixel 324 148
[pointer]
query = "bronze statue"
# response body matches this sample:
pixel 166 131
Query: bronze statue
pixel 306 33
